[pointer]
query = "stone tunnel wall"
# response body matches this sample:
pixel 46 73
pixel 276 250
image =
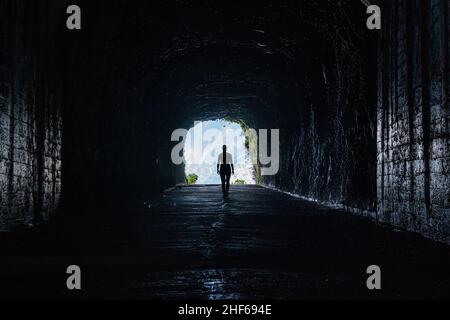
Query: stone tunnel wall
pixel 413 117
pixel 30 115
pixel 328 149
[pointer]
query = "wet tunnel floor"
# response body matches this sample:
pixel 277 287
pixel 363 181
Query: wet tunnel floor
pixel 191 244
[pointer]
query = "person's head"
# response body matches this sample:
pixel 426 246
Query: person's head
pixel 224 148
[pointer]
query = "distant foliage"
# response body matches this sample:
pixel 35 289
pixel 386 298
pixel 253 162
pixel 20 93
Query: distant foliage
pixel 191 179
pixel 238 181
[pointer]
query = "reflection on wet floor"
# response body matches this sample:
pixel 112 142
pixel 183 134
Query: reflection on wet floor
pixel 214 284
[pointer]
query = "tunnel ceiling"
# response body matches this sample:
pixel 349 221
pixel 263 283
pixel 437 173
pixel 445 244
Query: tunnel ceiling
pixel 216 58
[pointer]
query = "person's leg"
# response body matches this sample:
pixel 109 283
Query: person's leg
pixel 228 177
pixel 223 178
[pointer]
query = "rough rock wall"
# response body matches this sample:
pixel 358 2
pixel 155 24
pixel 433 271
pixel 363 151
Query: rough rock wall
pixel 30 116
pixel 328 149
pixel 413 117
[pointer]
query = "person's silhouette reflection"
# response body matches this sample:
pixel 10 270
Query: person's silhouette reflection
pixel 225 168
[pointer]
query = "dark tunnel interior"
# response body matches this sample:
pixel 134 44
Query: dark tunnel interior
pixel 157 69
pixel 86 116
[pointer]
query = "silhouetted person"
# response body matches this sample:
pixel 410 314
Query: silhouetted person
pixel 225 168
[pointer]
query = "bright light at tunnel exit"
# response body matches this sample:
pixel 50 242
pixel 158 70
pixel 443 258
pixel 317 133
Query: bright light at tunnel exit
pixel 206 171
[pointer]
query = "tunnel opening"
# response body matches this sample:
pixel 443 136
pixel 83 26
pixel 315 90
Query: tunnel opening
pixel 203 146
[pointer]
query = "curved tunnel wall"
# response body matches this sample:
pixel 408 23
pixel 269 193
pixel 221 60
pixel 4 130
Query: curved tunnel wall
pixel 31 100
pixel 138 74
pixel 413 118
